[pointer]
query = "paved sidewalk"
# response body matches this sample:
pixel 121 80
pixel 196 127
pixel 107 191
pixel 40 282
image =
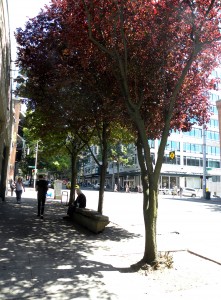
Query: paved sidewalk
pixel 55 259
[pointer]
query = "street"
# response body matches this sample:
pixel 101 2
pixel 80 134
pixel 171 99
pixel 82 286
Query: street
pixel 183 223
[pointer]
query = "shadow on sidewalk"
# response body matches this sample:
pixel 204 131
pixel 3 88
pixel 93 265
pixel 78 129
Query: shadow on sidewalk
pixel 53 258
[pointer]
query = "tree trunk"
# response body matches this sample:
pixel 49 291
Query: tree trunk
pixel 103 167
pixel 73 177
pixel 150 222
pixel 150 198
pixel 101 190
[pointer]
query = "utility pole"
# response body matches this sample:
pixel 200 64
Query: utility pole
pixel 113 182
pixel 36 162
pixel 204 161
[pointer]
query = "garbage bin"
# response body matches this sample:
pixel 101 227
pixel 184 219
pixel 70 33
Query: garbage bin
pixel 208 195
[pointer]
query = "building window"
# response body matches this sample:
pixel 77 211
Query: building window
pixel 215 178
pixel 172 131
pixel 167 160
pixel 195 132
pixel 214 123
pixel 196 161
pixel 151 144
pixel 192 148
pixel 214 97
pixel 191 161
pixel 173 145
pixel 213 163
pixel 214 109
pixel 212 150
pixel 212 135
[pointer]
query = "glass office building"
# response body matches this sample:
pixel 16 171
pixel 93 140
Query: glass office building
pixel 197 156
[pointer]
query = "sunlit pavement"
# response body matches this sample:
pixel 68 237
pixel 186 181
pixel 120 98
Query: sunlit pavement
pixel 183 223
pixel 55 259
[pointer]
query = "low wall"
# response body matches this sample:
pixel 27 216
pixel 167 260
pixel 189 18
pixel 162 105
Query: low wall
pixel 91 219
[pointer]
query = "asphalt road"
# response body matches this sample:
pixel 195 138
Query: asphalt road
pixel 183 223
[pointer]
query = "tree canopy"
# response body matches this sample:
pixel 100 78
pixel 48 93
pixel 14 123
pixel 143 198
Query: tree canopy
pixel 149 59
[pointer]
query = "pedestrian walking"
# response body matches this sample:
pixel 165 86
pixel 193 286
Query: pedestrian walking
pixel 12 186
pixel 19 187
pixel 41 188
pixel 127 188
pixel 174 191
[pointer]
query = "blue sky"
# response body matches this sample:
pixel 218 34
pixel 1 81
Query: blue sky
pixel 19 13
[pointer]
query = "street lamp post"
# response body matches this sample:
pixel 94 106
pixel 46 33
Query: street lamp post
pixel 36 162
pixel 204 161
pixel 113 177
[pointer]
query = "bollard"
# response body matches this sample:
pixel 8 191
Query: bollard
pixel 64 193
pixel 208 195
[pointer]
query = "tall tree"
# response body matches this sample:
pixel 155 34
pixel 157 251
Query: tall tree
pixel 161 55
pixel 70 91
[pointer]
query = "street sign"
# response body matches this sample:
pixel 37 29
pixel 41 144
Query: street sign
pixel 172 154
pixel 32 167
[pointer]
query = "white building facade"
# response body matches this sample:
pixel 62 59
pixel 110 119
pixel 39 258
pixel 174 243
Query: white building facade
pixel 190 165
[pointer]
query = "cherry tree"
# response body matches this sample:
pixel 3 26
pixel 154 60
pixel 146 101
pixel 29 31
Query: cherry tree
pixel 161 54
pixel 157 56
pixel 70 94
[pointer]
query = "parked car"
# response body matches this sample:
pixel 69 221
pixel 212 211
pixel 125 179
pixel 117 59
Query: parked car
pixel 97 186
pixel 165 191
pixel 26 183
pixel 189 192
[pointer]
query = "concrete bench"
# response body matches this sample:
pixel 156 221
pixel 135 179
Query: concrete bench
pixel 91 219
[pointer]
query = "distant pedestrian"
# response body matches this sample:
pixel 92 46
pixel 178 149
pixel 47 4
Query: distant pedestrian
pixel 174 191
pixel 41 188
pixel 127 188
pixel 115 187
pixel 19 187
pixel 181 192
pixel 12 186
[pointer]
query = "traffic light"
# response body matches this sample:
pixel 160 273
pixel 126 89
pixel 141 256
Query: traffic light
pixel 172 155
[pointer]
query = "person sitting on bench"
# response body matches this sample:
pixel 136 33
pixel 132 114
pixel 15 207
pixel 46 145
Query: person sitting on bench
pixel 79 202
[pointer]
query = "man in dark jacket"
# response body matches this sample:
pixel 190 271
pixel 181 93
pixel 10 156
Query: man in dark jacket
pixel 79 202
pixel 81 199
pixel 41 188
